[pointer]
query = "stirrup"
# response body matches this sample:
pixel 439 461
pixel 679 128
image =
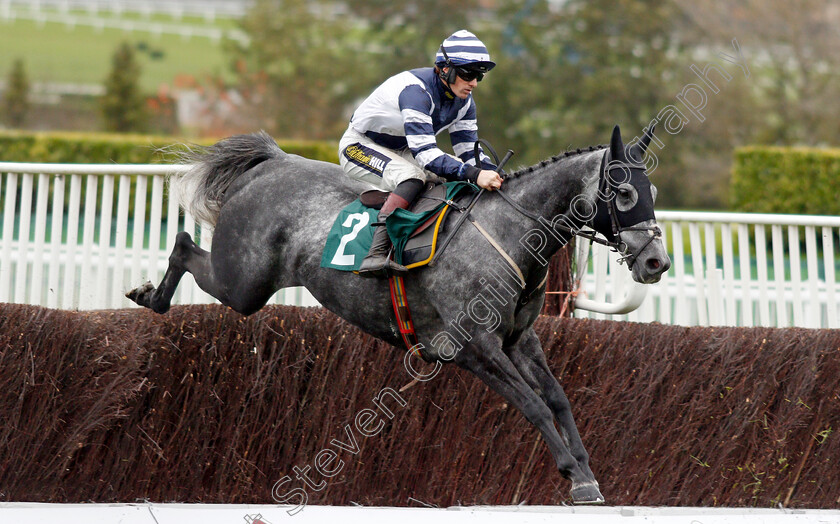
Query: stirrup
pixel 381 266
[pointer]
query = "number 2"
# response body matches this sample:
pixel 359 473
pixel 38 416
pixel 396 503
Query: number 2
pixel 340 258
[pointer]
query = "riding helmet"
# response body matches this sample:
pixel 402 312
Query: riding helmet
pixel 465 50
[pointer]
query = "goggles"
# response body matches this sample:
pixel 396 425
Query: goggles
pixel 468 75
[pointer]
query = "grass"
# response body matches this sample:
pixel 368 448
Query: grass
pixel 53 52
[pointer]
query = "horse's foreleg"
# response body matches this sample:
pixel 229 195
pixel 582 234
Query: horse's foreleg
pixel 489 363
pixel 528 357
pixel 186 256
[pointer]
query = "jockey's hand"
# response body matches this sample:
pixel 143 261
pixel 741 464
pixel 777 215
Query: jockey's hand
pixel 489 180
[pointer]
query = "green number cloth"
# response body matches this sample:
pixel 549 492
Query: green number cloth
pixel 351 234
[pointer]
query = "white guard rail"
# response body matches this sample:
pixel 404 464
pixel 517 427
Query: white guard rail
pixel 72 239
pixel 78 236
pixel 734 269
pixel 208 9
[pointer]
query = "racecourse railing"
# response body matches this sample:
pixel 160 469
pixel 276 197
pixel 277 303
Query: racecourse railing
pixel 128 25
pixel 208 9
pixel 79 236
pixel 734 269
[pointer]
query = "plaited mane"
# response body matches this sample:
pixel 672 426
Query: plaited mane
pixel 556 158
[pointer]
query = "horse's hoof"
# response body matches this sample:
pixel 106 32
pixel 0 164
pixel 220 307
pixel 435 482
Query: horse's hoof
pixel 136 295
pixel 587 494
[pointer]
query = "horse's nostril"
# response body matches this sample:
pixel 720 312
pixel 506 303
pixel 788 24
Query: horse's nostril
pixel 654 263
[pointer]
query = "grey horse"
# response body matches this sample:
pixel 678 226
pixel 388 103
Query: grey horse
pixel 272 212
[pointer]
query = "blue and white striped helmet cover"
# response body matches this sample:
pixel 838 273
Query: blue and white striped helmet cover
pixel 464 48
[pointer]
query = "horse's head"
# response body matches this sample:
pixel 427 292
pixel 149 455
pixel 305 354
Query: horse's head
pixel 624 213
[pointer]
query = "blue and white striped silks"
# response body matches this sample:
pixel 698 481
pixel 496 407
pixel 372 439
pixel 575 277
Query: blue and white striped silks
pixel 410 109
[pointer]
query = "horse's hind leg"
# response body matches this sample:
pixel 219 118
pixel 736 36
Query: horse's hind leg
pixel 186 256
pixel 528 357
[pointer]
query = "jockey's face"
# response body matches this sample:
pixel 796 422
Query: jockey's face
pixel 461 87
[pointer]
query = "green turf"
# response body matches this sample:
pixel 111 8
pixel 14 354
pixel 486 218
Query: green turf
pixel 55 53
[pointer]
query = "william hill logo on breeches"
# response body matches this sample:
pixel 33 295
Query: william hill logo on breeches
pixel 366 157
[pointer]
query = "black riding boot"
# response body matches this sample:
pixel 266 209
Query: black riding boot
pixel 378 263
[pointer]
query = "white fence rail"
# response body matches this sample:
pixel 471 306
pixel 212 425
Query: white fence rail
pixel 185 31
pixel 80 236
pixel 209 9
pixel 735 269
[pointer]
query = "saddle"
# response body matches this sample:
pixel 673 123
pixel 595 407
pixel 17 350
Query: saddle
pixel 422 227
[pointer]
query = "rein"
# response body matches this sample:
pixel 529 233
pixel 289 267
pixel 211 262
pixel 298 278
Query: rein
pixel 617 245
pixel 603 185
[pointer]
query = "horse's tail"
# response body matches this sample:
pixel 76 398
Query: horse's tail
pixel 201 188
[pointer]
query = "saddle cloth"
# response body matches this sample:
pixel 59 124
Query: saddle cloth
pixel 415 232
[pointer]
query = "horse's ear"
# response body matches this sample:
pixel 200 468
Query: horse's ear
pixel 616 146
pixel 646 137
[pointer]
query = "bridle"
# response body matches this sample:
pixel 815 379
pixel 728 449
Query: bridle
pixel 605 188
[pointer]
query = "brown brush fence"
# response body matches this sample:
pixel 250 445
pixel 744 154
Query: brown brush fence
pixel 204 405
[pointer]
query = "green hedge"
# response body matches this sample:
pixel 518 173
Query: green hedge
pixel 786 180
pixel 87 148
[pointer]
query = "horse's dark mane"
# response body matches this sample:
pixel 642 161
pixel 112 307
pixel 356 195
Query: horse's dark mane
pixel 556 158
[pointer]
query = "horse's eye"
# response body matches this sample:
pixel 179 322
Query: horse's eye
pixel 627 197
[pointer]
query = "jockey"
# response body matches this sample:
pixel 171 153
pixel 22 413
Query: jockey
pixel 391 144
